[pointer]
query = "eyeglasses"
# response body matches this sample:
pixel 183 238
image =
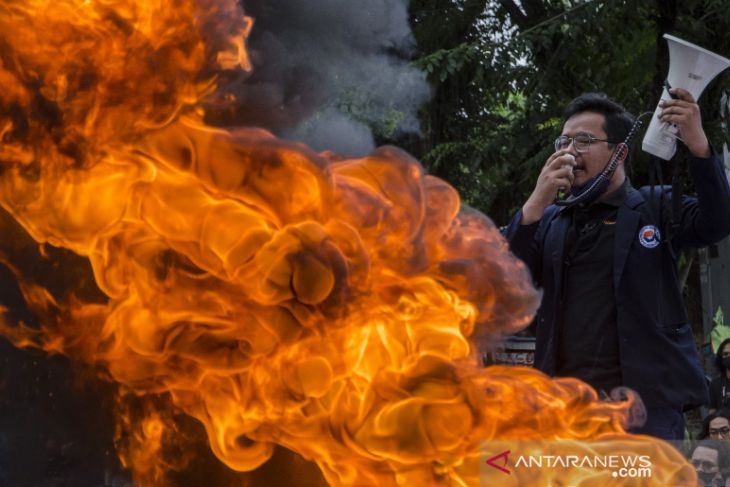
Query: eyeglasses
pixel 581 142
pixel 720 432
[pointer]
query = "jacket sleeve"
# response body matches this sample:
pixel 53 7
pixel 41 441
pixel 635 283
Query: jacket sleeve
pixel 706 218
pixel 524 243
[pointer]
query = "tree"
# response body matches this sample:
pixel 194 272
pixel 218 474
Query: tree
pixel 502 72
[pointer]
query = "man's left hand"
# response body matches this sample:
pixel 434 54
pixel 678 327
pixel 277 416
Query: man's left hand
pixel 685 114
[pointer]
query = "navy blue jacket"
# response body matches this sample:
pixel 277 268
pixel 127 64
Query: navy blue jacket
pixel 657 349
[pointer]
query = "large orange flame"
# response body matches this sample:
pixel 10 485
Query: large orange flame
pixel 278 296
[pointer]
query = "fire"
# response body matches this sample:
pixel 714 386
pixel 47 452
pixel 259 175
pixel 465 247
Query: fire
pixel 276 295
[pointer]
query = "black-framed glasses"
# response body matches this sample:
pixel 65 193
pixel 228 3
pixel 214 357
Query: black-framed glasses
pixel 581 142
pixel 724 431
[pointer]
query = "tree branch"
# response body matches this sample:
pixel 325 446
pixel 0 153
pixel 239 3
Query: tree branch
pixel 515 13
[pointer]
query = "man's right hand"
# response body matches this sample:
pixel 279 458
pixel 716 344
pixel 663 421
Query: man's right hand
pixel 556 174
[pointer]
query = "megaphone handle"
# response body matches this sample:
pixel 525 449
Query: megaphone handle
pixel 668 87
pixel 666 127
pixel 671 130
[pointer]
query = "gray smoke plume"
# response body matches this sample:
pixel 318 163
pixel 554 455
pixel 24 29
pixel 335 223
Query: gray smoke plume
pixel 325 71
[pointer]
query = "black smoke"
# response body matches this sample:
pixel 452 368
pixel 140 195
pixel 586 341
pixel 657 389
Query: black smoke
pixel 329 73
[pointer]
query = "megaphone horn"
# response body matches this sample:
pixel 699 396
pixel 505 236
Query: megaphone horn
pixel 692 68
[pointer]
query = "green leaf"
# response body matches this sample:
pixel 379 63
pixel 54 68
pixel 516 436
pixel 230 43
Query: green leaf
pixel 720 331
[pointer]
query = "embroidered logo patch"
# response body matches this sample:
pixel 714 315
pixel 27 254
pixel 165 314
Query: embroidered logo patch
pixel 649 236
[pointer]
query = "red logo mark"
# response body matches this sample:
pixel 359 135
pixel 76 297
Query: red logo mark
pixel 505 457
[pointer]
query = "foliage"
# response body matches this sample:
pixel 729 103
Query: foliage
pixel 720 332
pixel 502 71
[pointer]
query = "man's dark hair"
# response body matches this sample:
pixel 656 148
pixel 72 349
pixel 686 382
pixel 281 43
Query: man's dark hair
pixel 718 357
pixel 618 120
pixel 721 413
pixel 723 457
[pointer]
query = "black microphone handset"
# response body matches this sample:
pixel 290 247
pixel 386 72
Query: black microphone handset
pixel 600 183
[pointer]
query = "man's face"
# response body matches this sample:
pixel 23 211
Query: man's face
pixel 705 460
pixel 719 428
pixel 592 161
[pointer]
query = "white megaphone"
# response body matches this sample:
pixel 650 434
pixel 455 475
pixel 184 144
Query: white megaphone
pixel 692 68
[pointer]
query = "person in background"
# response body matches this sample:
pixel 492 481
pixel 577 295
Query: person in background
pixel 612 312
pixel 717 425
pixel 720 385
pixel 711 462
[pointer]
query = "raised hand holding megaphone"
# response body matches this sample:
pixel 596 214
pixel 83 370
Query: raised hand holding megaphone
pixel 691 68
